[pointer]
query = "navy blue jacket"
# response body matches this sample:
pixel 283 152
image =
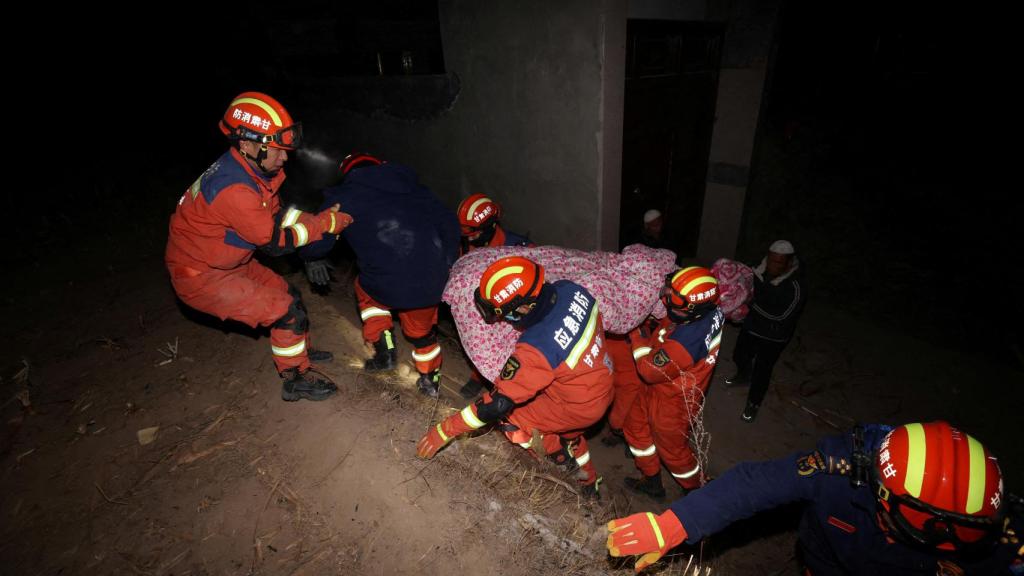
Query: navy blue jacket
pixel 404 238
pixel 839 533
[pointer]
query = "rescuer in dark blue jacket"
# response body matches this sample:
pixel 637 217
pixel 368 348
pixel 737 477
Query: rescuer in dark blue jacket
pixel 405 242
pixel 920 499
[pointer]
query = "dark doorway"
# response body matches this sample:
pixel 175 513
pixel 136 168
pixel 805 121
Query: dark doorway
pixel 671 86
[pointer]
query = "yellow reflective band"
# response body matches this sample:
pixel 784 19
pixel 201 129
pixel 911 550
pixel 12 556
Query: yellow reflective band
pixel 645 452
pixel 428 356
pixel 290 351
pixel 525 445
pixel 917 450
pixel 368 313
pixel 334 222
pixel 301 234
pixel 470 418
pixel 976 487
pixel 681 272
pixel 661 335
pixel 696 282
pixel 657 530
pixel 267 109
pixel 581 346
pixel 440 432
pixel 498 276
pixel 582 460
pixel 686 475
pixel 473 206
pixel 290 217
pixel 641 352
pixel 387 338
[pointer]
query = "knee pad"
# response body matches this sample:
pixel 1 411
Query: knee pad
pixel 295 319
pixel 423 341
pixel 499 407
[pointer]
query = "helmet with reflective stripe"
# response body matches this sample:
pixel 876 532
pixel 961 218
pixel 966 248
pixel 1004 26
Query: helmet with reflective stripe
pixel 938 487
pixel 689 293
pixel 257 117
pixel 506 285
pixel 477 212
pixel 358 160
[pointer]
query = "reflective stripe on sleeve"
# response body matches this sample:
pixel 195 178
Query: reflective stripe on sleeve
pixel 641 352
pixel 301 234
pixel 290 217
pixel 470 418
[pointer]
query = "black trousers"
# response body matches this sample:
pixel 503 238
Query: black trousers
pixel 756 357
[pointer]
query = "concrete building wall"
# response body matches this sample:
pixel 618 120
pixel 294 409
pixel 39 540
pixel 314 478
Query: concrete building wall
pixel 536 121
pixel 749 29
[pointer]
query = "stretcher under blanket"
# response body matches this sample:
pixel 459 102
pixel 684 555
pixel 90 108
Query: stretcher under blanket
pixel 625 285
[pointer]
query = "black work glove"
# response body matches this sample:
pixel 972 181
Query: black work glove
pixel 319 272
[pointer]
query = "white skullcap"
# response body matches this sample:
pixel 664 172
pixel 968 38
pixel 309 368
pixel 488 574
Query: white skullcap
pixel 781 247
pixel 650 215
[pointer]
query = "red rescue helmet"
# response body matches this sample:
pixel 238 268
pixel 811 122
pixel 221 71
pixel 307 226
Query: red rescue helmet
pixel 938 487
pixel 357 160
pixel 689 293
pixel 476 212
pixel 506 285
pixel 259 118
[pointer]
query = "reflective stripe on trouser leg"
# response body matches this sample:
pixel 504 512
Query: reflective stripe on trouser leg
pixel 688 479
pixel 587 473
pixel 427 358
pixel 289 350
pixel 375 316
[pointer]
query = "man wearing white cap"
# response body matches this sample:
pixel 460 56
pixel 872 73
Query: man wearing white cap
pixel 653 224
pixel 779 296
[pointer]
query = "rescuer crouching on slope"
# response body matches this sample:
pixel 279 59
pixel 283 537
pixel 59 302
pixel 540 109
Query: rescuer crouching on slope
pixel 557 383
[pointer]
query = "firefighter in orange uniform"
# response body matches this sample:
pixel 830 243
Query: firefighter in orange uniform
pixel 480 225
pixel 557 383
pixel 230 211
pixel 676 361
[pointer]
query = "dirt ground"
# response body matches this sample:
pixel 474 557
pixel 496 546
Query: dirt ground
pixel 235 481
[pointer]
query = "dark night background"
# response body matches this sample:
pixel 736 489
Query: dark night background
pixel 865 146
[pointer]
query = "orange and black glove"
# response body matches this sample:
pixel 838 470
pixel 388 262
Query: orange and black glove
pixel 440 435
pixel 333 221
pixel 645 534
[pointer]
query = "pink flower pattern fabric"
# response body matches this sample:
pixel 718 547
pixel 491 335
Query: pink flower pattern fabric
pixel 735 287
pixel 625 285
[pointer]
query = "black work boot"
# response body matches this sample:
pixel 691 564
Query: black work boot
pixel 471 388
pixel 740 378
pixel 310 385
pixel 650 485
pixel 750 412
pixel 385 356
pixel 591 492
pixel 429 384
pixel 320 356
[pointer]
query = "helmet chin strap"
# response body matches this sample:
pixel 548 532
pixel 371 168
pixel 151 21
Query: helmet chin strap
pixel 258 160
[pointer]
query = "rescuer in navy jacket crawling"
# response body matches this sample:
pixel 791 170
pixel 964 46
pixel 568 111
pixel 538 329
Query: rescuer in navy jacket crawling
pixel 920 499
